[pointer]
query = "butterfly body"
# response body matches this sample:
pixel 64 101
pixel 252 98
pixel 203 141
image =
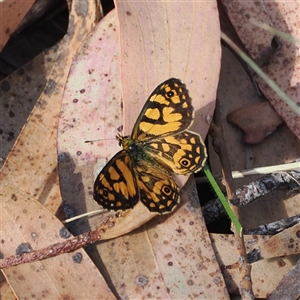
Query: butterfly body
pixel 160 145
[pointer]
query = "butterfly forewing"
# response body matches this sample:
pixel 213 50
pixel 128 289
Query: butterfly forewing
pixel 116 187
pixel 167 111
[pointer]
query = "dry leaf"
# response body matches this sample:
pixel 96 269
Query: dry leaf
pixel 136 265
pixel 235 91
pixel 25 179
pixel 265 273
pixel 11 14
pixel 288 286
pixel 257 121
pixel 283 66
pixel 283 62
pixel 19 93
pixel 258 42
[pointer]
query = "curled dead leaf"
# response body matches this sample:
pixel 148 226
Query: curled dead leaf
pixel 257 121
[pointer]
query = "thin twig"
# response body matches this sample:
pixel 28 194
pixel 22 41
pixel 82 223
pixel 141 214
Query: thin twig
pixel 213 210
pixel 220 148
pixel 69 245
pixel 262 186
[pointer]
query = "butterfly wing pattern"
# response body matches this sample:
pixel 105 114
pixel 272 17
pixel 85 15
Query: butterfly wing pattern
pixel 116 185
pixel 160 145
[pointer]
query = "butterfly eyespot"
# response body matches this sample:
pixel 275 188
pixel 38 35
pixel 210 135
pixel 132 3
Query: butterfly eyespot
pixel 185 162
pixel 105 193
pixel 167 190
pixel 170 94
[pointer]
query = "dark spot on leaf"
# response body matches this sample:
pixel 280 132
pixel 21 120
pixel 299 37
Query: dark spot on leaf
pixel 69 211
pixel 5 86
pixel 11 114
pixel 14 197
pixel 190 282
pixel 77 258
pixel 281 262
pixel 23 248
pixel 50 87
pixel 141 280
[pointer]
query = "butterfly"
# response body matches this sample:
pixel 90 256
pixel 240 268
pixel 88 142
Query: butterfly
pixel 160 145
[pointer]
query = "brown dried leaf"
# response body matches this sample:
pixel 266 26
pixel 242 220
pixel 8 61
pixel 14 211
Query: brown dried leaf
pixel 11 14
pixel 257 121
pixel 234 92
pixel 28 175
pixel 32 224
pixel 283 66
pixel 283 63
pixel 282 244
pixel 5 290
pixel 289 286
pixel 18 95
pixel 257 41
pixel 92 109
pixel 162 58
pixel 265 273
pixel 169 257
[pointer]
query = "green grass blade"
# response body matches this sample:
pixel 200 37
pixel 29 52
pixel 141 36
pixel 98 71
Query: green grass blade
pixel 223 200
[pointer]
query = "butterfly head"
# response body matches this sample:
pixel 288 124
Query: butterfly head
pixel 128 144
pixel 124 141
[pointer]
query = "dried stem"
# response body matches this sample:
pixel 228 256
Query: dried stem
pixel 69 245
pixel 220 148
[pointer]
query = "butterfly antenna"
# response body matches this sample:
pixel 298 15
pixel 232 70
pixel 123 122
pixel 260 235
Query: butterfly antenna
pixel 91 141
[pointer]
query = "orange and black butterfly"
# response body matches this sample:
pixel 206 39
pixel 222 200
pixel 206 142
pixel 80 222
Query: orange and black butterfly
pixel 160 145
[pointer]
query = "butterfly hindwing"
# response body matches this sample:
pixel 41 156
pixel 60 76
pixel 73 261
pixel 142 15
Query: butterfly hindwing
pixel 167 111
pixel 158 191
pixel 184 153
pixel 116 187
